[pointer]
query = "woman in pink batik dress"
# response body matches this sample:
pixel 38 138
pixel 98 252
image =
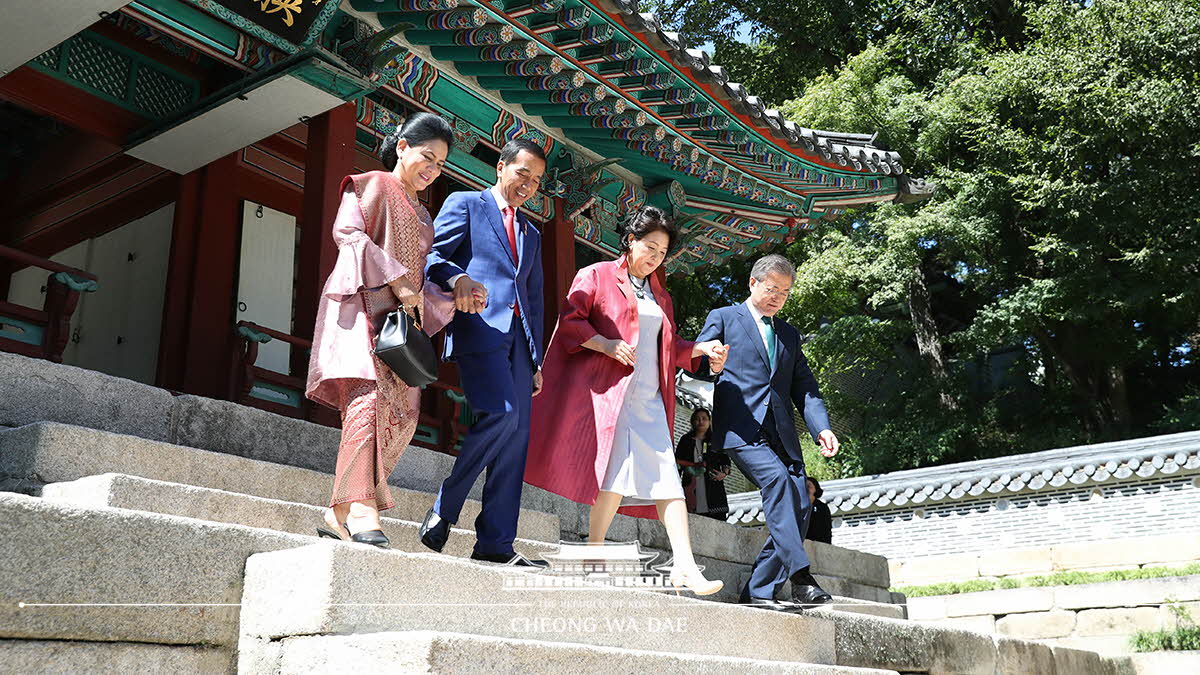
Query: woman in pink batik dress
pixel 383 234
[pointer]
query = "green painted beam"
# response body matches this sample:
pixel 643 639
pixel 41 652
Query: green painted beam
pixel 516 50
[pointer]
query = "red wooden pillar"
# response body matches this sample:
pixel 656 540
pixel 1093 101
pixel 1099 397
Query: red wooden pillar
pixel 181 269
pixel 558 264
pixel 330 158
pixel 210 307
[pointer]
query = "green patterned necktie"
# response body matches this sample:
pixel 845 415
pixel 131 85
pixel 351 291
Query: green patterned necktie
pixel 770 335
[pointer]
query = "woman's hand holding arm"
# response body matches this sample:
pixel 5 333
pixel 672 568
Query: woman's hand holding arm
pixel 407 295
pixel 618 350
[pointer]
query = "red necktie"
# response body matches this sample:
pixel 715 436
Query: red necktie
pixel 510 218
pixel 510 226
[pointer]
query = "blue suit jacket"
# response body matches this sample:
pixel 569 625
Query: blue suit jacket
pixel 469 238
pixel 746 387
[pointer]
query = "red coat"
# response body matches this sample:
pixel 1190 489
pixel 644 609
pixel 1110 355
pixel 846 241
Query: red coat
pixel 574 418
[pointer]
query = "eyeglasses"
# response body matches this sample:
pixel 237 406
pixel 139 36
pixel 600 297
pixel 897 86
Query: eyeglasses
pixel 775 292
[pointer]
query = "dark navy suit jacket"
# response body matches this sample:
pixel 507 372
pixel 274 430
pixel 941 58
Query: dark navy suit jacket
pixel 469 238
pixel 747 387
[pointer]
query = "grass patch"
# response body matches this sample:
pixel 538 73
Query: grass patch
pixel 1184 637
pixel 1055 579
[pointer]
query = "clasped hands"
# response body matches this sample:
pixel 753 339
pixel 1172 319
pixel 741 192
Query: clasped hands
pixel 470 296
pixel 625 353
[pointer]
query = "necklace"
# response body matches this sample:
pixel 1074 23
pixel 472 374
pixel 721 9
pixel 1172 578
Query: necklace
pixel 638 289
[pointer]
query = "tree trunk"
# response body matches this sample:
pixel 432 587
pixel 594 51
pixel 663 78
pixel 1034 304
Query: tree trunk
pixel 929 343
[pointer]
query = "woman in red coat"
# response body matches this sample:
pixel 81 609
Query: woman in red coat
pixel 601 429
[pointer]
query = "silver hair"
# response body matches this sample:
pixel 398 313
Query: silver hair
pixel 772 264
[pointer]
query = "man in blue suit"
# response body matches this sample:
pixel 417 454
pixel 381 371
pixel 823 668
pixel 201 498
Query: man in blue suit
pixel 764 374
pixel 490 257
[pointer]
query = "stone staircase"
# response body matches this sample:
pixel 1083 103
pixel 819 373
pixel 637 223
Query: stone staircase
pixel 162 533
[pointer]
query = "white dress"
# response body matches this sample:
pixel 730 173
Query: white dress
pixel 641 466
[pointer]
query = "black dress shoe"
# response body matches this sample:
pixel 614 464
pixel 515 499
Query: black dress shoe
pixel 513 559
pixel 435 536
pixel 772 604
pixel 806 592
pixel 372 537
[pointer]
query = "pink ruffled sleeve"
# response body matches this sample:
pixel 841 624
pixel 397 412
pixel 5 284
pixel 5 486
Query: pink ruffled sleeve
pixel 439 308
pixel 361 263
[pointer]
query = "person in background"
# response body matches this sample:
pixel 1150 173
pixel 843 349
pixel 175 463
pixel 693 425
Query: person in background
pixel 820 523
pixel 383 235
pixel 702 469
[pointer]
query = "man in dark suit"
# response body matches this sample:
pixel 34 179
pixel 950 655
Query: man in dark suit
pixel 490 257
pixel 764 374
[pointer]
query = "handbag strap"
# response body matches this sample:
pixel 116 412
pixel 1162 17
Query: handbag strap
pixel 415 311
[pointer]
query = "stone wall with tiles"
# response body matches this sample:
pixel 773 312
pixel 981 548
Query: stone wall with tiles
pixel 1169 550
pixel 1100 617
pixel 1037 519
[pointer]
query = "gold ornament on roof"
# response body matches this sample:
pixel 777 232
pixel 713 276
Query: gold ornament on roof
pixel 285 6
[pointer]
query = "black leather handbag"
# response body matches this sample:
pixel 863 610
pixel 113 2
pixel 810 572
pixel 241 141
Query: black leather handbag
pixel 406 349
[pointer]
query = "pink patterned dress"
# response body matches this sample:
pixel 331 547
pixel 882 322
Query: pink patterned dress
pixel 382 235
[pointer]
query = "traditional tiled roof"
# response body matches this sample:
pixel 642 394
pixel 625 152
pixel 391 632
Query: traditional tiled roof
pixel 851 150
pixel 610 79
pixel 1103 463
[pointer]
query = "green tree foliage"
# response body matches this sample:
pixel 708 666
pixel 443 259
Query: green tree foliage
pixel 1050 292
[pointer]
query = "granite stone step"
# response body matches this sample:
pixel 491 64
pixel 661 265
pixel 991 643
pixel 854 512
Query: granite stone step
pixel 45 452
pixel 68 657
pixel 452 653
pixel 113 575
pixel 66 394
pixel 328 590
pixel 102 574
pixel 48 452
pixel 142 494
pixel 308 593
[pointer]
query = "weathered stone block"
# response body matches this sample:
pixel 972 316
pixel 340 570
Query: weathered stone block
pixel 1128 593
pixel 118 658
pixel 1119 621
pixel 1015 562
pixel 71 554
pixel 932 569
pixel 321 590
pixel 856 566
pixel 1020 656
pixel 51 452
pixel 1118 552
pixel 1109 645
pixel 54 392
pixel 1008 601
pixel 433 652
pixel 1158 663
pixel 909 646
pixel 927 608
pixel 1073 657
pixel 222 426
pixel 141 494
pixel 984 623
pixel 1037 625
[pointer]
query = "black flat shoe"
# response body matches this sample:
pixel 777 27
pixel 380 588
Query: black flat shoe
pixel 372 537
pixel 513 559
pixel 325 532
pixel 434 536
